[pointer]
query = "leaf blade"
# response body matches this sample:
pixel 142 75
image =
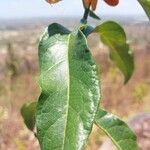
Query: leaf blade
pixel 113 35
pixel 66 107
pixel 118 131
pixel 28 113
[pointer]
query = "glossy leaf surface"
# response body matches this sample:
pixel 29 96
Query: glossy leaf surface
pixel 113 35
pixel 70 90
pixel 28 113
pixel 119 132
pixel 146 6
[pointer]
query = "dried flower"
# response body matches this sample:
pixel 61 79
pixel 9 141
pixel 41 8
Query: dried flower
pixel 92 3
pixel 53 1
pixel 112 2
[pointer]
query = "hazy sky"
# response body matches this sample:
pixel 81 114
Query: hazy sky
pixel 39 8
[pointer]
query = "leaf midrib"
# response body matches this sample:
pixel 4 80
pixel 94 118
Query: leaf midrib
pixel 68 94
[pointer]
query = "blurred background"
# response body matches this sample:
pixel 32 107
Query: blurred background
pixel 21 24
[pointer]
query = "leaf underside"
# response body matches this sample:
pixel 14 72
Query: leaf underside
pixel 70 90
pixel 28 113
pixel 119 132
pixel 113 36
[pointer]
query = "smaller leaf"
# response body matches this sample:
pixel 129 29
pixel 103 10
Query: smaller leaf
pixel 146 6
pixel 93 15
pixel 119 132
pixel 28 113
pixel 113 35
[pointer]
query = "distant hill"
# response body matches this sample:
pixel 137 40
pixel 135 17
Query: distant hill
pixel 29 23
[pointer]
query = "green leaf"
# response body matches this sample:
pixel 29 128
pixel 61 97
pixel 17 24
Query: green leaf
pixel 113 35
pixel 93 15
pixel 119 132
pixel 70 90
pixel 146 6
pixel 28 113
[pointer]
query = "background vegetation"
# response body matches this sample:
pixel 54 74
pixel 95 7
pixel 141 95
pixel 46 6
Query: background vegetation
pixel 19 76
